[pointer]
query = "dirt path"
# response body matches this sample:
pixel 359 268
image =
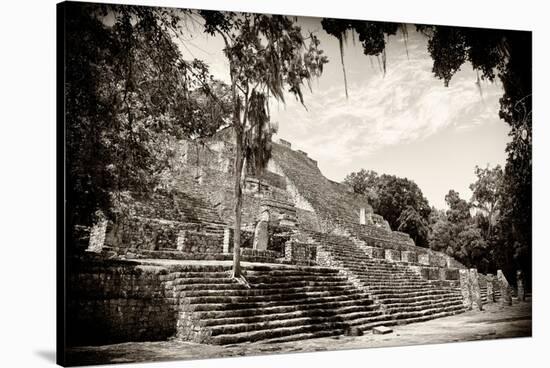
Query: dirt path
pixel 494 322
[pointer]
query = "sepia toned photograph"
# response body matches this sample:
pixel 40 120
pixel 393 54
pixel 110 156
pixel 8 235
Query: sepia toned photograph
pixel 241 184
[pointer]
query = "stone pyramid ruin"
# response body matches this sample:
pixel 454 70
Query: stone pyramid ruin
pixel 317 261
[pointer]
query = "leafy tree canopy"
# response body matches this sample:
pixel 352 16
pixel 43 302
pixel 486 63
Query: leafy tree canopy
pixel 128 93
pixel 391 196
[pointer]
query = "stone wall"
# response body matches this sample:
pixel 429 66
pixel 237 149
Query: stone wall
pixel 196 242
pixel 158 234
pixel 278 236
pixel 308 220
pixel 118 301
pixel 144 233
pixel 300 253
pixel 255 255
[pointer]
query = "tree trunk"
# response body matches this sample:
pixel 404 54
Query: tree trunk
pixel 238 204
pixel 490 227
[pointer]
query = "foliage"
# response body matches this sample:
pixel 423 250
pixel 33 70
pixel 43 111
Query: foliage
pixel 372 36
pixel 267 54
pixel 364 182
pixel 459 209
pixel 396 194
pixel 458 234
pixel 412 223
pixel 128 92
pixel 486 193
pixel 391 197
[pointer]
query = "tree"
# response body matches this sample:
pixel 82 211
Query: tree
pixel 441 236
pixel 396 194
pixel 372 36
pixel 412 223
pixel 266 54
pixel 459 209
pixel 486 193
pixel 365 182
pixel 393 197
pixel 457 234
pixel 472 248
pixel 127 90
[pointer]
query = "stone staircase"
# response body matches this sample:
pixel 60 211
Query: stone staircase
pixel 483 292
pixel 282 303
pixel 401 292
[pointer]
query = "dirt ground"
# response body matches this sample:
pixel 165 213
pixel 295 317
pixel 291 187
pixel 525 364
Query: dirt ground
pixel 495 322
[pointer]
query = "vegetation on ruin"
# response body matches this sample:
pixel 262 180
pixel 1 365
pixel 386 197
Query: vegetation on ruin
pixel 129 92
pixel 475 231
pixel 399 200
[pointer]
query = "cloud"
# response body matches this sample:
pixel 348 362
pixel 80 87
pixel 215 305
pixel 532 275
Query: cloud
pixel 405 105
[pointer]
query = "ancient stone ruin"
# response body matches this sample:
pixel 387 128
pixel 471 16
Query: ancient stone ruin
pixel 317 260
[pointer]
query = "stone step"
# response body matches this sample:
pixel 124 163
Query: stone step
pixel 266 291
pixel 394 283
pixel 426 312
pixel 302 336
pixel 296 284
pixel 210 306
pixel 274 324
pixel 292 278
pixel 405 291
pixel 413 299
pixel 417 307
pixel 398 286
pixel 269 297
pixel 348 312
pixel 203 280
pixel 194 275
pixel 371 276
pixel 337 305
pixel 271 269
pixel 330 328
pixel 218 286
pixel 396 289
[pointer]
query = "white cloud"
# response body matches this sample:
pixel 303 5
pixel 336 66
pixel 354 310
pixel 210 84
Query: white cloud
pixel 405 105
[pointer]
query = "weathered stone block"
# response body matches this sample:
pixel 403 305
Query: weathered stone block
pixel 450 274
pixel 505 295
pixel 378 253
pixel 475 289
pixel 490 288
pixel 261 236
pixel 521 285
pixel 392 255
pixel 226 239
pixel 381 330
pixel 424 272
pixel 434 273
pixel 465 288
pixel 424 258
pixel 409 256
pixel 301 253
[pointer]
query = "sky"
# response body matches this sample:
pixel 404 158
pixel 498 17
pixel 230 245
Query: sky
pixel 404 122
